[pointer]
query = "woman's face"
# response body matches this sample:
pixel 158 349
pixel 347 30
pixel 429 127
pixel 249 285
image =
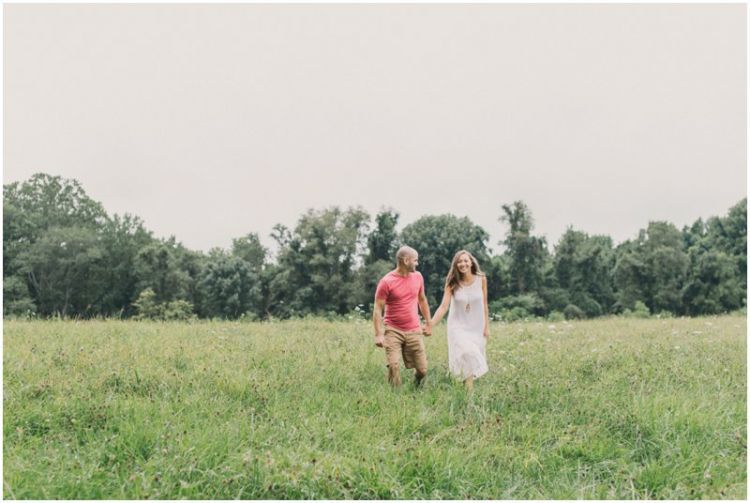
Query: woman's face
pixel 463 264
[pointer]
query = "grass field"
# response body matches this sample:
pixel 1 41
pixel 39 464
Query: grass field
pixel 615 408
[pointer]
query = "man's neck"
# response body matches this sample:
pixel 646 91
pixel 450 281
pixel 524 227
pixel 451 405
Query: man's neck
pixel 402 271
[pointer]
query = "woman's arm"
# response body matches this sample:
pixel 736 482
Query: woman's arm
pixel 443 307
pixel 486 308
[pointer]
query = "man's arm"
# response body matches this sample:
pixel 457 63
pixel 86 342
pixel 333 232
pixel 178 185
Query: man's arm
pixel 377 321
pixel 424 307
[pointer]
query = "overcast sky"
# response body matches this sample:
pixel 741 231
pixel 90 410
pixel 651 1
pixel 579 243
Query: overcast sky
pixel 212 121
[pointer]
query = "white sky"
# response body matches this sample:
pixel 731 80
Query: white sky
pixel 212 121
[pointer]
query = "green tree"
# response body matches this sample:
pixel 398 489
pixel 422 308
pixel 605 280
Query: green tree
pixel 437 239
pixel 147 308
pixel 32 207
pixel 229 287
pixel 157 267
pixel 630 274
pixel 498 277
pixel 16 297
pixel 47 201
pixel 582 268
pixel 250 249
pixel 729 235
pixel 191 264
pixel 18 234
pixel 717 277
pixel 316 263
pixel 527 253
pixel 121 238
pixel 714 285
pixel 63 268
pixel 653 269
pixel 383 240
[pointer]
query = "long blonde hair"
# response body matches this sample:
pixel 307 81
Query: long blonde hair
pixel 453 279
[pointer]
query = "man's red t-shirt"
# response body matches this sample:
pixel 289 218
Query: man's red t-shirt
pixel 401 295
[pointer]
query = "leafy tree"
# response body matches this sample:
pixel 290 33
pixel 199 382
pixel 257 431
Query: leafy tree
pixel 667 264
pixel 630 274
pixel 527 253
pixel 693 235
pixel 18 234
pixel 498 277
pixel 437 239
pixel 121 238
pixel 316 263
pixel 383 241
pixel 179 310
pixel 729 235
pixel 250 249
pixel 582 268
pixel 517 307
pixel 191 263
pixel 229 286
pixel 147 308
pixel 30 209
pixel 652 269
pixel 157 267
pixel 63 267
pixel 17 298
pixel 714 283
pixel 52 201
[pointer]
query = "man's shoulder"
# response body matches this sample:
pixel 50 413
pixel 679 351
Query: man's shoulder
pixel 393 276
pixel 388 278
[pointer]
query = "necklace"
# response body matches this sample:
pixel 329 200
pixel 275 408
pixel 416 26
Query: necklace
pixel 467 308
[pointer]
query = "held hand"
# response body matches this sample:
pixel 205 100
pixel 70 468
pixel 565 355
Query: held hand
pixel 379 340
pixel 427 330
pixel 486 332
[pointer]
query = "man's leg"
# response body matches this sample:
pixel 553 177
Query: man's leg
pixel 394 374
pixel 416 357
pixel 393 349
pixel 419 375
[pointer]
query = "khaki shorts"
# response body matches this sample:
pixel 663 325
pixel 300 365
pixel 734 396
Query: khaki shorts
pixel 409 345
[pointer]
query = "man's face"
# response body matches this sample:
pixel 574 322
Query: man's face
pixel 411 262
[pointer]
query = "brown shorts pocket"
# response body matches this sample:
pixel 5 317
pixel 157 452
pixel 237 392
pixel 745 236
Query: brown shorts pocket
pixel 413 351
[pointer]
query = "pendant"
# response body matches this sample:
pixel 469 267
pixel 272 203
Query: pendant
pixel 467 308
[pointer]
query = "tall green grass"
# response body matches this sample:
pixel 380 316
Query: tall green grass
pixel 611 408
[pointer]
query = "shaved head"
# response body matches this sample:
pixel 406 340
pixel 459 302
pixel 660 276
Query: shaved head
pixel 405 252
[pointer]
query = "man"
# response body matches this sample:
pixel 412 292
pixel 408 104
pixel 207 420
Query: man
pixel 400 292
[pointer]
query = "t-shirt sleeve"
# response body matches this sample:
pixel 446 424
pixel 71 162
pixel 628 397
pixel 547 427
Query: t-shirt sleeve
pixel 382 291
pixel 421 283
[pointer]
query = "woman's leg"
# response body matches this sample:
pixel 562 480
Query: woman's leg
pixel 469 383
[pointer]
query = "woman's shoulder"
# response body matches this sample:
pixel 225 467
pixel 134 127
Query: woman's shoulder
pixel 481 280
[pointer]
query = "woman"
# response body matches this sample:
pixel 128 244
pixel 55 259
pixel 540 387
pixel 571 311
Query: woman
pixel 468 319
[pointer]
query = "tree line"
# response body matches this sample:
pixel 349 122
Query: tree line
pixel 63 255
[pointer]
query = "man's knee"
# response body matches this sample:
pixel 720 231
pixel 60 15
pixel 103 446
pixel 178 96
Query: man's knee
pixel 394 374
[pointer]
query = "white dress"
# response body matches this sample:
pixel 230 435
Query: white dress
pixel 466 342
